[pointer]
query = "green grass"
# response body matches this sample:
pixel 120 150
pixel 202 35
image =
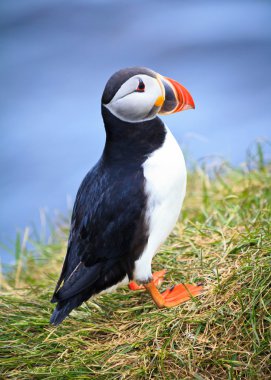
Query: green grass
pixel 223 240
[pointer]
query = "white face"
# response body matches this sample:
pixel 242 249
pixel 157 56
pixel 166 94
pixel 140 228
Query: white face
pixel 135 100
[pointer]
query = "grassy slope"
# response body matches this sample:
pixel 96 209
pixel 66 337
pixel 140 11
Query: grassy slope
pixel 223 240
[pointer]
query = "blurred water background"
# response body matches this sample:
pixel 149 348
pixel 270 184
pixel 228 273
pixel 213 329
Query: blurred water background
pixel 57 55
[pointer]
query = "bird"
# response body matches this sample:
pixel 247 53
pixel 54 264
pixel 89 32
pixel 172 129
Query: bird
pixel 130 201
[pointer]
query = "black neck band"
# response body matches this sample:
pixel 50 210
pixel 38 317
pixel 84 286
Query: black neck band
pixel 131 141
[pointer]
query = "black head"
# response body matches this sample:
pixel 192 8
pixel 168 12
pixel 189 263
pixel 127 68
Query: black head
pixel 138 94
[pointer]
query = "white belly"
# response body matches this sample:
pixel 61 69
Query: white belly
pixel 165 175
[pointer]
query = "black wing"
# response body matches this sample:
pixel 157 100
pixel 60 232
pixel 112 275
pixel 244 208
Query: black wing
pixel 108 233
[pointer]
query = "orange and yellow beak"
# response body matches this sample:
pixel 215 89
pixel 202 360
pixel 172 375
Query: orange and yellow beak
pixel 175 97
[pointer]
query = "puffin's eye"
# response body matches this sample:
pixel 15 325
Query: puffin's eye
pixel 141 86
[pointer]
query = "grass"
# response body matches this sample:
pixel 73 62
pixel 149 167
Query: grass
pixel 223 240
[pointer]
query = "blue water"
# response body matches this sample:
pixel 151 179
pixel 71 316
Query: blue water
pixel 56 57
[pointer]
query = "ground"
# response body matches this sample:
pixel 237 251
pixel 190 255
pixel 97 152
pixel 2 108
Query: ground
pixel 222 240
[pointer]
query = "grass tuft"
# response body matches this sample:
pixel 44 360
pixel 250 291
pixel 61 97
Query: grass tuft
pixel 223 240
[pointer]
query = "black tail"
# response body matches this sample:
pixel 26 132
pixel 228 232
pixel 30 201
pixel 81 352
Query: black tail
pixel 64 308
pixel 75 290
pixel 83 283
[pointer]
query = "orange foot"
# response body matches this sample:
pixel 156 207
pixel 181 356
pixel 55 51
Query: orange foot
pixel 174 296
pixel 157 279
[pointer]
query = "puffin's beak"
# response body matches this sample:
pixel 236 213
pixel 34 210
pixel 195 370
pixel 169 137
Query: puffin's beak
pixel 175 98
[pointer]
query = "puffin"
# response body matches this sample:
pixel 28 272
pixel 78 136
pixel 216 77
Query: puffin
pixel 129 202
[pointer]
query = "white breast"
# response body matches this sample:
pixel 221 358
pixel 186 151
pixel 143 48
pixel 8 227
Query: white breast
pixel 165 175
